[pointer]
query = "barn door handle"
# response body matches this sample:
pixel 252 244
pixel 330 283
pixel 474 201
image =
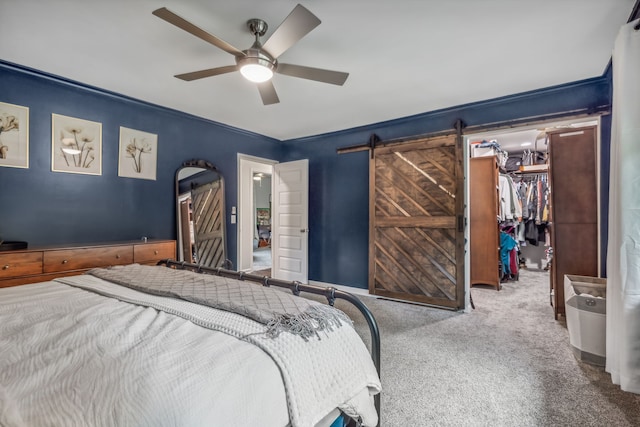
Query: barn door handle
pixel 460 223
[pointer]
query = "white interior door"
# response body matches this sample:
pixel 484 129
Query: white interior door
pixel 290 221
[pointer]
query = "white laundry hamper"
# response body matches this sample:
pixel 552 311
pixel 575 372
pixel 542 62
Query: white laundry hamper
pixel 586 314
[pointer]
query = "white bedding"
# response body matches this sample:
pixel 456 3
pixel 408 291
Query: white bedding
pixel 72 357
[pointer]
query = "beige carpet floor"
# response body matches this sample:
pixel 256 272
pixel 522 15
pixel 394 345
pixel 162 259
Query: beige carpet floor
pixel 506 363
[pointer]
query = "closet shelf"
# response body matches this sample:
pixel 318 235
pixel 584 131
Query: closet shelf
pixel 533 168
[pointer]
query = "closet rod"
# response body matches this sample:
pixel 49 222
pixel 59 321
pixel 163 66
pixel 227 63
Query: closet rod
pixel 528 173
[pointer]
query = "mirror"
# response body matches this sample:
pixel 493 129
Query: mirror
pixel 201 214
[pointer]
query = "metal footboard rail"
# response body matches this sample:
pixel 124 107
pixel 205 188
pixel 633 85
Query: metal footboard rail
pixel 329 292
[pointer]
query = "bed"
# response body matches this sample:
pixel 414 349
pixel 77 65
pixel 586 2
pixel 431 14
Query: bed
pixel 157 346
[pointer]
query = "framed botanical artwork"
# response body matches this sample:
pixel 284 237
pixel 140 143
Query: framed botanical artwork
pixel 76 145
pixel 138 154
pixel 14 136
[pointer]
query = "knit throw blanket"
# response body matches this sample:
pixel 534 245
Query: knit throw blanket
pixel 279 310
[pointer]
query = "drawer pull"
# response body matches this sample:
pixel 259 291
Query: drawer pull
pixel 5 267
pixel 155 252
pixel 117 256
pixel 64 261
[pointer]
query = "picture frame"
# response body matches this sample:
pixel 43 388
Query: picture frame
pixel 263 216
pixel 138 154
pixel 14 136
pixel 76 145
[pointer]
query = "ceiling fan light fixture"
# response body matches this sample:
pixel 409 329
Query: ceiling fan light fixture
pixel 256 73
pixel 256 66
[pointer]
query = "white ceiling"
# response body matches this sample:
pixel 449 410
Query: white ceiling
pixel 404 57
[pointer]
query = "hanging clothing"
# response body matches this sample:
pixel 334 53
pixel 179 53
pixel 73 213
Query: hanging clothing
pixel 531 232
pixel 522 189
pixel 516 205
pixel 513 261
pixel 541 202
pixel 533 195
pixel 510 206
pixel 623 253
pixel 532 200
pixel 507 244
pixel 520 232
pixel 505 198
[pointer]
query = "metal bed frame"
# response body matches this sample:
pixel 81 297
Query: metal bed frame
pixel 296 288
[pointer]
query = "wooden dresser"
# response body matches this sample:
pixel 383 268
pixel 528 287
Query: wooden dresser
pixel 46 263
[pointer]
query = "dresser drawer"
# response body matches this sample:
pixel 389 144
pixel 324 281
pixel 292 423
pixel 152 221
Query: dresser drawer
pixel 20 264
pixel 83 258
pixel 153 252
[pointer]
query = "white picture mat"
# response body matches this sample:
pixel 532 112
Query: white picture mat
pixel 14 142
pixel 138 154
pixel 76 145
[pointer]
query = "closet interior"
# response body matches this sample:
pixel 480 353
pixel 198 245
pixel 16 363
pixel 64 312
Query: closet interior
pixel 533 204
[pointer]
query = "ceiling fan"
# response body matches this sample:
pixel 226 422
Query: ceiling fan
pixel 260 61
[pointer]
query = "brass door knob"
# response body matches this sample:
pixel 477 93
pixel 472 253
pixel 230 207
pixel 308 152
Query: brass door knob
pixel 5 267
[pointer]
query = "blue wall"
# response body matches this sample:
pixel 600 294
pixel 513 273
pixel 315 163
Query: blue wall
pixel 45 207
pixel 339 187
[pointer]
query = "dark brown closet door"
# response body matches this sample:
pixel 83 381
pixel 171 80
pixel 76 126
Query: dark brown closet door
pixel 574 207
pixel 483 222
pixel 416 249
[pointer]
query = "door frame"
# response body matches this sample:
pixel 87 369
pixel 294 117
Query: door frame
pixel 470 135
pixel 247 166
pixel 181 239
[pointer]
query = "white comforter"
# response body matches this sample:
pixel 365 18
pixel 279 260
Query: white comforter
pixel 73 357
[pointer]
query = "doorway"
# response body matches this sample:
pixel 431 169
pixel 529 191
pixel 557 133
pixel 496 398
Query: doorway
pixel 289 215
pixel 523 159
pixel 254 213
pixel 262 209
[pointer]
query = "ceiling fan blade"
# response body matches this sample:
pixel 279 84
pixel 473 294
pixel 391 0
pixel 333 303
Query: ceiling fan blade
pixel 210 72
pixel 310 73
pixel 268 93
pixel 294 27
pixel 182 23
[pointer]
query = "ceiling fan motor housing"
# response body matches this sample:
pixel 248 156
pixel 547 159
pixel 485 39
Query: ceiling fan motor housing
pixel 257 56
pixel 258 27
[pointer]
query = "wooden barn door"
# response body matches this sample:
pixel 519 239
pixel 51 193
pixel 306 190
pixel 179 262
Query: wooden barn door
pixel 207 224
pixel 416 222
